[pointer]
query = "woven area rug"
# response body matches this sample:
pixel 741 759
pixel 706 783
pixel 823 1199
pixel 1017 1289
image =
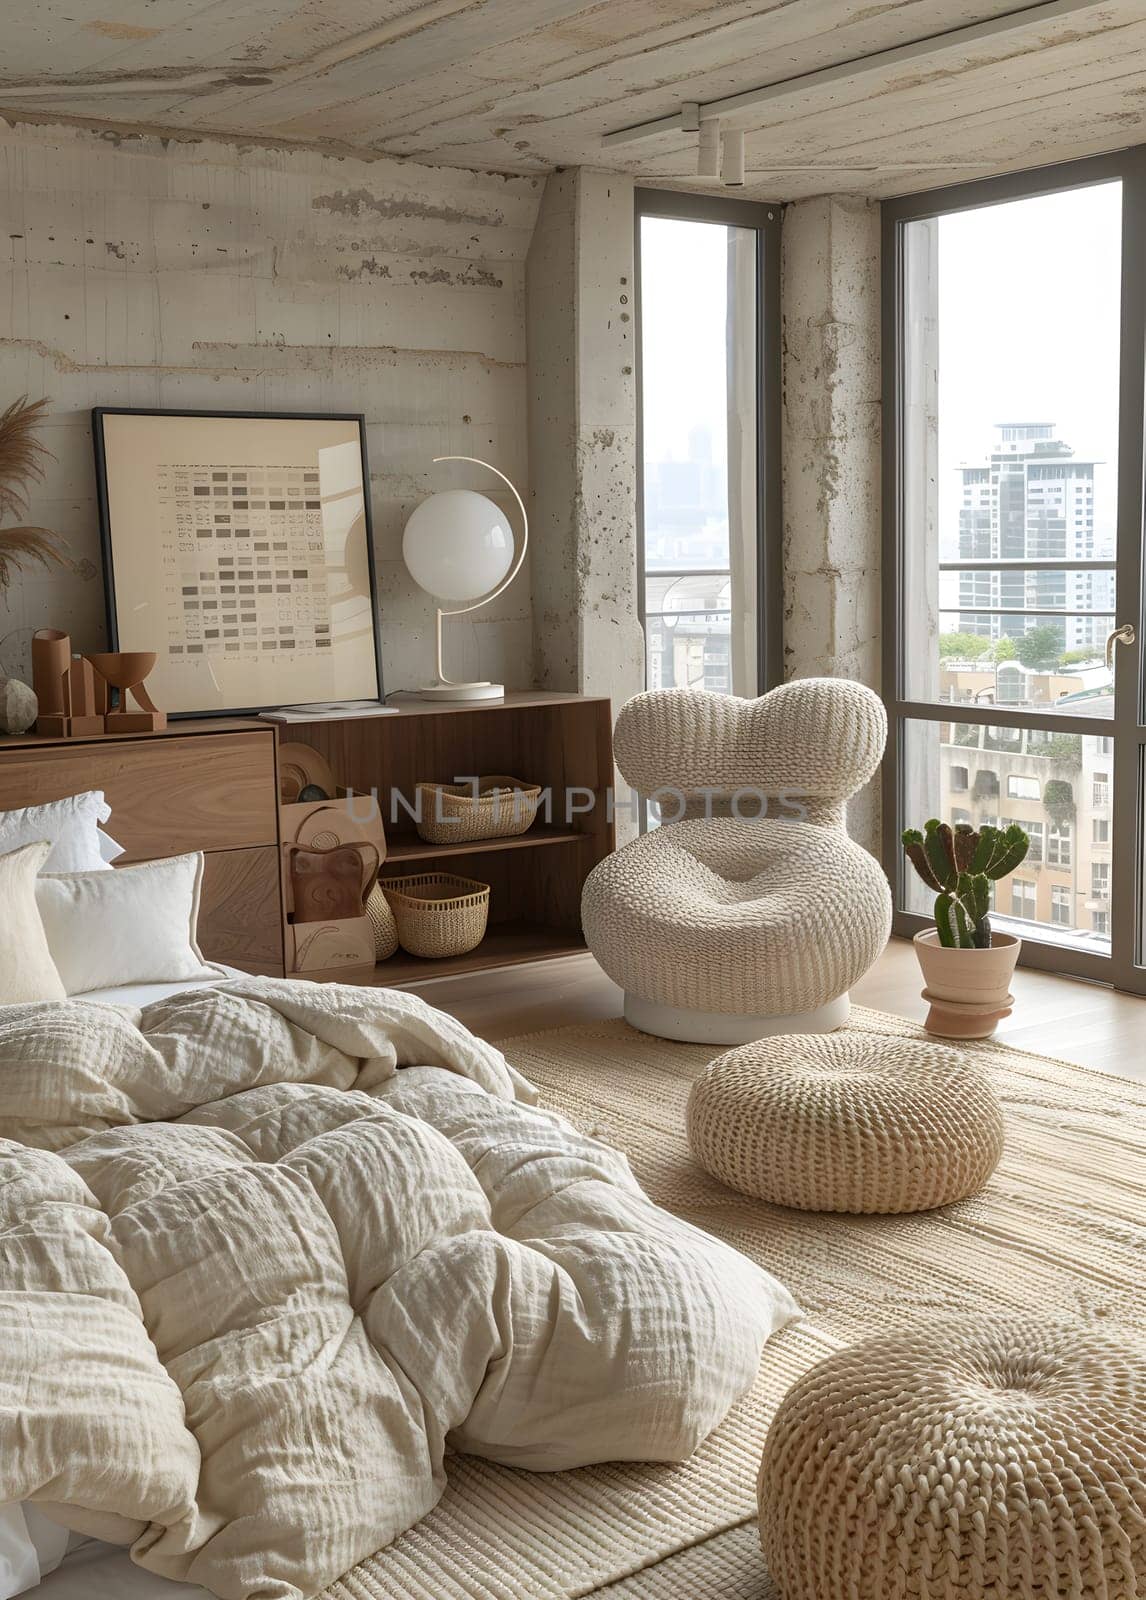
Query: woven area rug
pixel 1060 1229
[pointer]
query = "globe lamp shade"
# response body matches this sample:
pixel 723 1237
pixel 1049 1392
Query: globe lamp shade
pixel 458 545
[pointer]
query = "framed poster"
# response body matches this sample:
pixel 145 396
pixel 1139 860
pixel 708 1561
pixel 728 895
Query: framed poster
pixel 238 547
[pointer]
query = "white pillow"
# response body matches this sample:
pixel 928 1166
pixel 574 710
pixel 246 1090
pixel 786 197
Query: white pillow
pixel 27 973
pixel 108 849
pixel 19 1563
pixel 30 1548
pixel 132 925
pixel 70 827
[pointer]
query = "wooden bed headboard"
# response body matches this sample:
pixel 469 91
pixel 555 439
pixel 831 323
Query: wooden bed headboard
pixel 202 785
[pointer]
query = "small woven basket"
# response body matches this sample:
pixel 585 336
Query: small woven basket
pixel 437 913
pixel 450 813
pixel 382 924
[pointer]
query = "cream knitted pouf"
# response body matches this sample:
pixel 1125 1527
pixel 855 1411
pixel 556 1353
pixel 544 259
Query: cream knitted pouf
pixel 847 1122
pixel 968 1460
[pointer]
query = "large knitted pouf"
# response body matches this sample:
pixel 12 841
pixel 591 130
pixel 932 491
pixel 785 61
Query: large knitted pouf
pixel 966 1460
pixel 847 1121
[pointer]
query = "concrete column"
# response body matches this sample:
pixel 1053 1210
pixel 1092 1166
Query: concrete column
pixel 582 437
pixel 742 344
pixel 831 451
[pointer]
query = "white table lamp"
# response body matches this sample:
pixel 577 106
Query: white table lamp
pixel 458 545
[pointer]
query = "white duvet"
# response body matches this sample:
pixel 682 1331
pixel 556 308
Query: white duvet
pixel 255 1279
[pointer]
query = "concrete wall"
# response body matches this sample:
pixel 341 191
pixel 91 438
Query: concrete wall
pixel 156 272
pixel 831 451
pixel 582 444
pixel 582 437
pixel 151 272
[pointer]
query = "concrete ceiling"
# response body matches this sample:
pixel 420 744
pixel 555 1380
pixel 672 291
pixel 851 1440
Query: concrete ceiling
pixel 526 85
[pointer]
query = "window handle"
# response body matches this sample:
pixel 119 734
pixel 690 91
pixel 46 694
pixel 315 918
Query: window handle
pixel 1123 635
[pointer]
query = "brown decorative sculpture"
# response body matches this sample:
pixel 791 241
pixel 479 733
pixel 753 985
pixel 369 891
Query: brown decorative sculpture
pixel 328 886
pixel 331 883
pixel 73 691
pixel 332 850
pixel 124 671
pixel 71 702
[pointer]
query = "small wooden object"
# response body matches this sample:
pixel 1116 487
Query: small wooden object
pixel 301 768
pixel 331 882
pixel 329 887
pixel 124 671
pixel 71 703
pixel 331 853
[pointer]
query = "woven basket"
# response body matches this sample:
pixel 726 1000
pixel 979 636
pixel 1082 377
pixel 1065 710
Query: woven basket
pixel 450 813
pixel 438 914
pixel 382 924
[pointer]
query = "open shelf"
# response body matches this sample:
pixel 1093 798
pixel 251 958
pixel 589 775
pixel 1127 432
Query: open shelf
pixel 506 944
pixel 562 743
pixel 408 846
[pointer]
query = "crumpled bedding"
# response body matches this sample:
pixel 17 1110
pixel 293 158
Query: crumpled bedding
pixel 268 1250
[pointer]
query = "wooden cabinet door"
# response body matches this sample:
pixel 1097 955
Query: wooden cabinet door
pixel 240 910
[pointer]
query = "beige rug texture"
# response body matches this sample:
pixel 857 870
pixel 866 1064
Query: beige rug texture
pixel 1060 1230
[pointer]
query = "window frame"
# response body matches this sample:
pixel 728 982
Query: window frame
pixel 765 219
pixel 1125 967
pixel 1025 890
pixel 1018 778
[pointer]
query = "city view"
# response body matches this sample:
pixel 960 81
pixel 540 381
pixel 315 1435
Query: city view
pixel 688 587
pixel 698 332
pixel 1031 640
pixel 1010 540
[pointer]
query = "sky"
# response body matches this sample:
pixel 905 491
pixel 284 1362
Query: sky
pixel 684 301
pixel 1028 332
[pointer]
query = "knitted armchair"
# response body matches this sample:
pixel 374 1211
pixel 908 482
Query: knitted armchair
pixel 749 911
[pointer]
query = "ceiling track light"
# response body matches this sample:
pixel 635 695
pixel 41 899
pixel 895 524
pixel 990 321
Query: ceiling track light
pixel 931 50
pixel 719 150
pixel 732 158
pixel 708 150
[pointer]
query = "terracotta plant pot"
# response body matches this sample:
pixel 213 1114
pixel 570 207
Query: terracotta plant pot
pixel 969 990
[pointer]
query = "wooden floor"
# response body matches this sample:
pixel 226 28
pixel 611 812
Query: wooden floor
pixel 1061 1017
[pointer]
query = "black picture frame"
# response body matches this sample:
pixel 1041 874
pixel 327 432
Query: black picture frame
pixel 99 413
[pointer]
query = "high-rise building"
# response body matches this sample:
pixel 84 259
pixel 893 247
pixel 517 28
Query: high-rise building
pixel 1031 500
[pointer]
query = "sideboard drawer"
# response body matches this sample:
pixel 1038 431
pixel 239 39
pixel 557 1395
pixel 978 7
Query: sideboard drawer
pixel 168 795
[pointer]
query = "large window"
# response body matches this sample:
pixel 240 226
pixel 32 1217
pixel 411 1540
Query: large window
pixel 708 410
pixel 1013 407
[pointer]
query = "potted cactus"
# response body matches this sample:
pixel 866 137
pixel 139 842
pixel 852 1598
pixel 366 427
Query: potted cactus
pixel 967 968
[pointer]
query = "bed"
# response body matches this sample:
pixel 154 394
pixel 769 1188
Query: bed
pixel 235 1219
pixel 92 1570
pixel 270 1250
pixel 137 995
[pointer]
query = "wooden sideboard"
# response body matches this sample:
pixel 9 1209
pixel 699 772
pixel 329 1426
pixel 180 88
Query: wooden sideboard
pixel 212 785
pixel 207 785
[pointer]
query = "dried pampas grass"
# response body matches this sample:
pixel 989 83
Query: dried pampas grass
pixel 19 547
pixel 22 456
